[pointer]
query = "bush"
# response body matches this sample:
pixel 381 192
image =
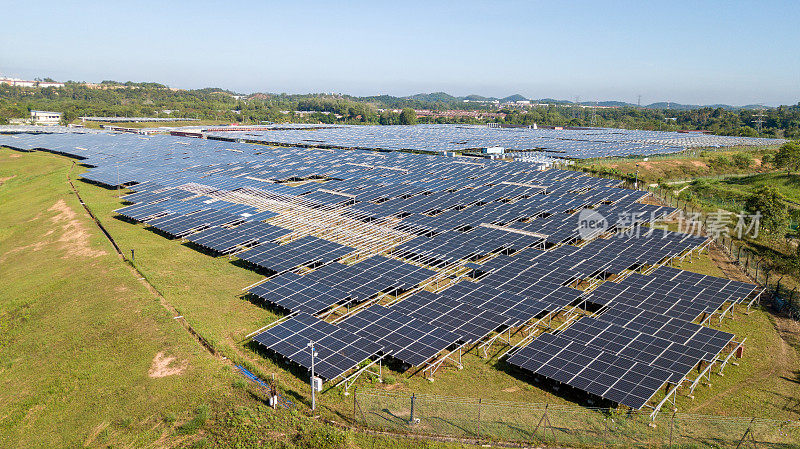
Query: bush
pixel 767 159
pixel 742 160
pixel 721 161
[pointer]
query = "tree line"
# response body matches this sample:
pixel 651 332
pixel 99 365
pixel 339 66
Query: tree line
pixel 156 100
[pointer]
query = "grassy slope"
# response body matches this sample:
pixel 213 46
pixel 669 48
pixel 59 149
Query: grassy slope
pixel 188 278
pixel 681 167
pixel 787 185
pixel 79 332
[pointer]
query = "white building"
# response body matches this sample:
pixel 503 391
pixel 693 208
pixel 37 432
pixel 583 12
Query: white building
pixel 17 82
pixel 45 118
pixel 50 84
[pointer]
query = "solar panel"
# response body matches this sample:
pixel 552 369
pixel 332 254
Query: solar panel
pixel 404 338
pixel 339 350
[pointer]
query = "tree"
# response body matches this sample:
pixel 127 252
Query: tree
pixel 408 117
pixel 788 156
pixel 767 201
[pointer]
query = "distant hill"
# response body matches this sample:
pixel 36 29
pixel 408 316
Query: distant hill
pixel 686 107
pixel 477 98
pixel 608 104
pixel 435 97
pixel 513 98
pixel 551 101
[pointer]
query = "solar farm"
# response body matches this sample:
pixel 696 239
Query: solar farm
pixel 411 260
pixel 523 142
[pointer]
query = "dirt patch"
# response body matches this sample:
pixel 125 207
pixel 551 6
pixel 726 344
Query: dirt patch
pixel 699 164
pixel 727 265
pixel 14 155
pixel 75 238
pixel 8 178
pixel 510 390
pixel 163 366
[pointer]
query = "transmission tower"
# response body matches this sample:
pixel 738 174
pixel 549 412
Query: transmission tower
pixel 759 119
pixel 639 100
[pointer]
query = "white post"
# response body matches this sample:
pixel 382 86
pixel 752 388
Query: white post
pixel 313 395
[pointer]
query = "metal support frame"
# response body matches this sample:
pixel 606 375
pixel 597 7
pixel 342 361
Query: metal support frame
pixel 351 379
pixel 725 362
pixel 724 312
pixel 756 298
pixel 705 373
pixel 433 367
pixel 530 336
pixel 657 408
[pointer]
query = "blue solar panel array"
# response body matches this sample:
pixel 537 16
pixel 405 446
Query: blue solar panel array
pixel 524 141
pixel 510 231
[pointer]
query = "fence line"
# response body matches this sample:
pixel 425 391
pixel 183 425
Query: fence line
pixel 559 424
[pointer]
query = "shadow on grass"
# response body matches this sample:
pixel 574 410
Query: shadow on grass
pixel 241 263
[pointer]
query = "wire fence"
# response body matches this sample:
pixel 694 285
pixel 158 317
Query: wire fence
pixel 563 425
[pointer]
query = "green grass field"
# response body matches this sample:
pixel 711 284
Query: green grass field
pixel 787 185
pixel 80 335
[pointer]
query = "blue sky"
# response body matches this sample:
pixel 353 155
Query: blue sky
pixel 689 52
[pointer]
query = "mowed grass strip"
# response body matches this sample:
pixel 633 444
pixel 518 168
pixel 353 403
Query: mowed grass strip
pixel 87 355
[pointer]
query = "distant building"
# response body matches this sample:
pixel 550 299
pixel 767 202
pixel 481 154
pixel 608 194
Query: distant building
pixel 45 118
pixel 50 84
pixel 17 82
pixel 28 83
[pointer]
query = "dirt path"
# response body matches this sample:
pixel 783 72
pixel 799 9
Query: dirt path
pixel 727 265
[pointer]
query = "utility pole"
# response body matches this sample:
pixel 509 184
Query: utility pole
pixel 313 387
